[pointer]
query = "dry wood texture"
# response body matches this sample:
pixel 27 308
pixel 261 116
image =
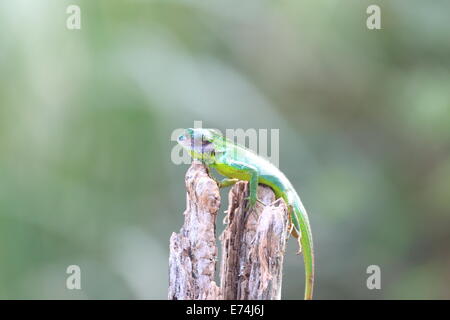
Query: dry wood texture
pixel 253 243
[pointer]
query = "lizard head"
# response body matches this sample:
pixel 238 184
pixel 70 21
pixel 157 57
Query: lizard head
pixel 202 144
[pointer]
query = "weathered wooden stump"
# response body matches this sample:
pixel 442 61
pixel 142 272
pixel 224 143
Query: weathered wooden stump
pixel 253 244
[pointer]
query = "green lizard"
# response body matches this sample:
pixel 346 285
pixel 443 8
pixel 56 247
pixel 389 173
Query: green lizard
pixel 238 163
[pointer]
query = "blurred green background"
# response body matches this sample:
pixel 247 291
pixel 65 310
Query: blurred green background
pixel 86 117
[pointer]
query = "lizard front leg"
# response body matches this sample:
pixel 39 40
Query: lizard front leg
pixel 251 174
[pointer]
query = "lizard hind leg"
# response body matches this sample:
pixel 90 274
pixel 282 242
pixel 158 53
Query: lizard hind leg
pixel 291 226
pixel 293 231
pixel 226 182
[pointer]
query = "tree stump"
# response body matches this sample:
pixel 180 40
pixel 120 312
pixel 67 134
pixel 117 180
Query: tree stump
pixel 253 243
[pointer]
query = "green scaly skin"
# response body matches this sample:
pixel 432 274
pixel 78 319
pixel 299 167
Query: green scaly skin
pixel 238 163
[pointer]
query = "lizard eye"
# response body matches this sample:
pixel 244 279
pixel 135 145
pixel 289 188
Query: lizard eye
pixel 207 146
pixel 205 140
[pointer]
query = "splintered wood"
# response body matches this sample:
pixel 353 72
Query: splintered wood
pixel 193 251
pixel 253 243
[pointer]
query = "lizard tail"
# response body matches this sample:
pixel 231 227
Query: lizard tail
pixel 301 224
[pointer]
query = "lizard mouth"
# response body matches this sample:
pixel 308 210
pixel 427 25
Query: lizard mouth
pixel 201 146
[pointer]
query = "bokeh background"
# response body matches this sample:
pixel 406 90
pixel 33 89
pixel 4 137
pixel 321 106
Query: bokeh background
pixel 86 117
